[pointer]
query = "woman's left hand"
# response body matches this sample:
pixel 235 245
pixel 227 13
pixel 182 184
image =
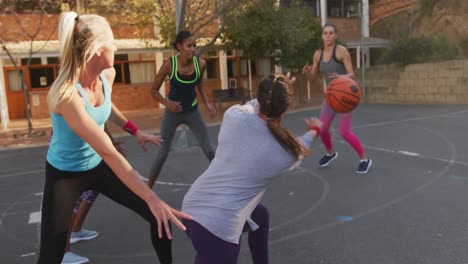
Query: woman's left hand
pixel 212 110
pixel 142 138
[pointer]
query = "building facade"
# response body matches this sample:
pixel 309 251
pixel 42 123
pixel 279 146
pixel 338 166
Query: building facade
pixel 137 61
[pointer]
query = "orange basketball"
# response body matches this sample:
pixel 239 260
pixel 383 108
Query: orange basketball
pixel 343 94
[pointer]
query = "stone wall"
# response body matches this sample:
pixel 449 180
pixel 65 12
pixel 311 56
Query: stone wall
pixel 427 83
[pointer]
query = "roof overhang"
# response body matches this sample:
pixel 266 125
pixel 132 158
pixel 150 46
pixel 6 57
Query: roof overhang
pixel 369 42
pixel 51 48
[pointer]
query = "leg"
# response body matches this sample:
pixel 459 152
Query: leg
pixel 258 239
pixel 81 210
pixel 345 131
pixel 210 248
pixel 61 190
pixel 169 124
pixel 326 116
pixel 196 124
pixel 107 183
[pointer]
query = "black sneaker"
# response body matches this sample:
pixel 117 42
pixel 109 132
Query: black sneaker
pixel 325 160
pixel 364 166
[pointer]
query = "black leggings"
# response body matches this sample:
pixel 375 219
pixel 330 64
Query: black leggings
pixel 63 188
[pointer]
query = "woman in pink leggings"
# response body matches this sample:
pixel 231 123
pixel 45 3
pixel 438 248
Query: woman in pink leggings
pixel 334 60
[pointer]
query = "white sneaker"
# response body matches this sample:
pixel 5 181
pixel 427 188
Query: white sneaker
pixel 72 258
pixel 83 234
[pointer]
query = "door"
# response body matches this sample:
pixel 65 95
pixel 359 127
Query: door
pixel 15 94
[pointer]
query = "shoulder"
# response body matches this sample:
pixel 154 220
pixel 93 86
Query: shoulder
pixel 72 104
pixel 201 62
pixel 341 49
pixel 317 54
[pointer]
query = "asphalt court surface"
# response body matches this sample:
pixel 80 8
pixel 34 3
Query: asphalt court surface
pixel 410 208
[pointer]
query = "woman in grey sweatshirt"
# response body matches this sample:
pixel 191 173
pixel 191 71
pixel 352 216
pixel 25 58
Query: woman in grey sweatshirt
pixel 253 149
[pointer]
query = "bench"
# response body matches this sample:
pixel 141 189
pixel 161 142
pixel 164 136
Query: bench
pixel 230 95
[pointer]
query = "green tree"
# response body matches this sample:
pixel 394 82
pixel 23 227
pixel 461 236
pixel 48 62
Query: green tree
pixel 202 17
pixel 289 33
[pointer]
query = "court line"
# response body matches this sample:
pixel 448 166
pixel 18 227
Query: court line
pixel 381 206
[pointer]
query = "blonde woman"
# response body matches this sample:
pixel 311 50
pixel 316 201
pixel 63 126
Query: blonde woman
pixel 81 156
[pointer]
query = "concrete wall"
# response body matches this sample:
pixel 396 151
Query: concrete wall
pixel 427 83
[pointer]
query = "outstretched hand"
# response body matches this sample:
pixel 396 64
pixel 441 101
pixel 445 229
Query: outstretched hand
pixel 313 121
pixel 164 213
pixel 142 138
pixel 286 77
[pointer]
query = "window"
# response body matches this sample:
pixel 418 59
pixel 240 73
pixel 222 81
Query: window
pixel 34 61
pixel 232 68
pixel 14 81
pixel 52 60
pixel 212 69
pixel 264 66
pixel 245 69
pixel 134 68
pixel 41 77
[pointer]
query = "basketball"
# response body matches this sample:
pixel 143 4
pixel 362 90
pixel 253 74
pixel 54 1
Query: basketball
pixel 343 94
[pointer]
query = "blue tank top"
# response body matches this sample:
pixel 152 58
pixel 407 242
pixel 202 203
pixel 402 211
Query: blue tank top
pixel 69 152
pixel 183 86
pixel 331 66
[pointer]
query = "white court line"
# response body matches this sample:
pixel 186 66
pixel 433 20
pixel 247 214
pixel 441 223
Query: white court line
pixel 28 254
pixel 34 217
pixel 165 183
pixel 412 154
pixel 408 153
pixel 21 173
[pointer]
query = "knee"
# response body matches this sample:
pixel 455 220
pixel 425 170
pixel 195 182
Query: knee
pixel 344 132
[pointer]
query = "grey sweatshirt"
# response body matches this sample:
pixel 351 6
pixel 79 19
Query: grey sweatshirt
pixel 247 159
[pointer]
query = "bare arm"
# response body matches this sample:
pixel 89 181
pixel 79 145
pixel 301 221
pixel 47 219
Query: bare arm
pixel 311 71
pixel 166 70
pixel 120 120
pixel 83 125
pixel 344 56
pixel 201 90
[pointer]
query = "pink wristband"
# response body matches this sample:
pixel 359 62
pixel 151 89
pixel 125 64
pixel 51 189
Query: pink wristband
pixel 316 128
pixel 130 128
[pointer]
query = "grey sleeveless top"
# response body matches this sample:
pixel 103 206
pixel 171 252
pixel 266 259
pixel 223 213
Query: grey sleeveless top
pixel 331 66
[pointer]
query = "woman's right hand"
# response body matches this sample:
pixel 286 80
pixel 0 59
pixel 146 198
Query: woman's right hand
pixel 164 213
pixel 173 106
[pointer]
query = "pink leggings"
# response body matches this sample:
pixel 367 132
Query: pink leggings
pixel 326 116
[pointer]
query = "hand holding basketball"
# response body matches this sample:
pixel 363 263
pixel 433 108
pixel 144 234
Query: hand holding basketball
pixel 343 94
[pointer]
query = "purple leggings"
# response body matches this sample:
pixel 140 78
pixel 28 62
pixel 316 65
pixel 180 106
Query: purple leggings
pixel 326 116
pixel 213 250
pixel 88 196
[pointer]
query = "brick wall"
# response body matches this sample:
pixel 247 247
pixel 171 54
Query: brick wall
pixel 11 30
pixel 427 83
pixel 348 28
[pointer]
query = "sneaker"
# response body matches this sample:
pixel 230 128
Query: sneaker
pixel 364 166
pixel 325 160
pixel 72 258
pixel 83 234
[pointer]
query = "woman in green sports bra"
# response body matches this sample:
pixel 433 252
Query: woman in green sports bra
pixel 185 72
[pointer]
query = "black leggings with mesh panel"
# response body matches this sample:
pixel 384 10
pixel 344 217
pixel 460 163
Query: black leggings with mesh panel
pixel 63 188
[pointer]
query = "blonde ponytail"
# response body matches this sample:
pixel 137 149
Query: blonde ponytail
pixel 80 37
pixel 69 71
